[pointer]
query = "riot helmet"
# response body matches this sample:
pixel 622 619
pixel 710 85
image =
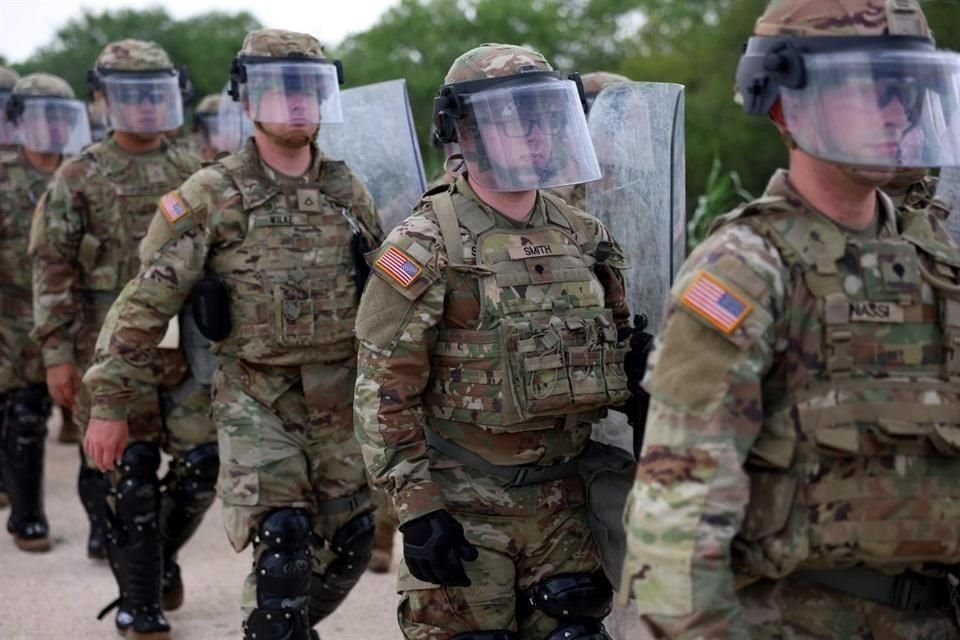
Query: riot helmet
pixel 47 115
pixel 855 82
pixel 142 88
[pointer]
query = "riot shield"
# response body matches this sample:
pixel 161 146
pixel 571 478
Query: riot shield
pixel 637 131
pixel 948 197
pixel 378 141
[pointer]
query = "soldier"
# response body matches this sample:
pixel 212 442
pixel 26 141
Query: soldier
pixel 84 240
pixel 266 234
pixel 8 143
pixel 205 121
pixel 488 346
pixel 798 477
pixel 51 124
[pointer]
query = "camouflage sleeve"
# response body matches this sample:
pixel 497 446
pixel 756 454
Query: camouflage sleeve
pixel 366 210
pixel 56 235
pixel 396 327
pixel 610 271
pixel 691 491
pixel 175 250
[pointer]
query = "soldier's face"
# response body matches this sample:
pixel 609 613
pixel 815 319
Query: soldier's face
pixel 147 112
pixel 294 109
pixel 521 147
pixel 860 118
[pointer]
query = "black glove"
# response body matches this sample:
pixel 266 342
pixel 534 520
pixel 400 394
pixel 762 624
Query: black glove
pixel 434 546
pixel 635 366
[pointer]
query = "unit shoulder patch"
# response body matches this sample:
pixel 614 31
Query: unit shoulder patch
pixel 716 302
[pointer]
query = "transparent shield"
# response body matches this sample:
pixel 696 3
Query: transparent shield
pixel 527 136
pixel 380 145
pixel 948 193
pixel 297 93
pixel 8 132
pixel 148 103
pixel 637 130
pixel 54 125
pixel 233 125
pixel 878 109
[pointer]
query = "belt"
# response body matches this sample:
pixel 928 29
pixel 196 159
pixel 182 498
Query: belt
pixel 907 591
pixel 518 475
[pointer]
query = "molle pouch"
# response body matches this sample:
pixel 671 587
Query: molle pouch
pixel 559 365
pixel 99 277
pixel 294 317
pixel 890 270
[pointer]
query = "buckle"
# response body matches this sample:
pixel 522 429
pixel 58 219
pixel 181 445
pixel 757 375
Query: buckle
pixel 521 476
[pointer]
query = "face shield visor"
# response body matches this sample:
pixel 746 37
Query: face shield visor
pixel 54 125
pixel 526 134
pixel 885 102
pixel 233 127
pixel 294 93
pixel 8 132
pixel 143 102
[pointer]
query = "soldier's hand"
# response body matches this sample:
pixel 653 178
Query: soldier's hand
pixel 434 549
pixel 63 382
pixel 105 441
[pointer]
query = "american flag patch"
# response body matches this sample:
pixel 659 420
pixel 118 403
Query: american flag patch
pixel 399 266
pixel 716 303
pixel 173 207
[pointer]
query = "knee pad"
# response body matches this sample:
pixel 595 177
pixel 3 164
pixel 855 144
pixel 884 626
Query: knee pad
pixel 138 490
pixel 27 410
pixel 195 475
pixel 499 634
pixel 353 544
pixel 284 567
pixel 570 597
pixel 580 631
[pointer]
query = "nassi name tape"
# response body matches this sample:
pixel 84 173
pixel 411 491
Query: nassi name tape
pixel 399 266
pixel 716 303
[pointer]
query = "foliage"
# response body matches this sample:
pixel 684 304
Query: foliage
pixel 205 44
pixel 723 192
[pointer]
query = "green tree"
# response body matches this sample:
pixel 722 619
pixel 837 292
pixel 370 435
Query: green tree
pixel 205 44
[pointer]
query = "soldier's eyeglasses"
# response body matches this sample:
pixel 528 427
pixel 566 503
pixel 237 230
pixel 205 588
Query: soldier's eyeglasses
pixel 550 124
pixel 134 95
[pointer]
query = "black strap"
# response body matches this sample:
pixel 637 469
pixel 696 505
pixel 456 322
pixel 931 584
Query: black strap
pixel 519 475
pixel 907 591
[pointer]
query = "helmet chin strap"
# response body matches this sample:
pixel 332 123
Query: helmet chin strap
pixel 292 140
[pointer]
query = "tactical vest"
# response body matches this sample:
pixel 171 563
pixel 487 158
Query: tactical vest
pixel 122 201
pixel 291 279
pixel 20 190
pixel 858 460
pixel 545 346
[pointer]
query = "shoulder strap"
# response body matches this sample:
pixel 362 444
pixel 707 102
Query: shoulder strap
pixel 449 227
pixel 561 213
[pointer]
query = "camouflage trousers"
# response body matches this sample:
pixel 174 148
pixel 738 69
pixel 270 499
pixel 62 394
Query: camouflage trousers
pixel 787 609
pixel 21 363
pixel 523 535
pixel 286 440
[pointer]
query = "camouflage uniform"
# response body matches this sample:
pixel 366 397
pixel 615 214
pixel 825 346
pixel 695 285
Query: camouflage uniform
pixel 282 390
pixel 798 474
pixel 24 402
pixel 85 243
pixel 430 377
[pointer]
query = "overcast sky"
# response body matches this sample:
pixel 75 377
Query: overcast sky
pixel 26 25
